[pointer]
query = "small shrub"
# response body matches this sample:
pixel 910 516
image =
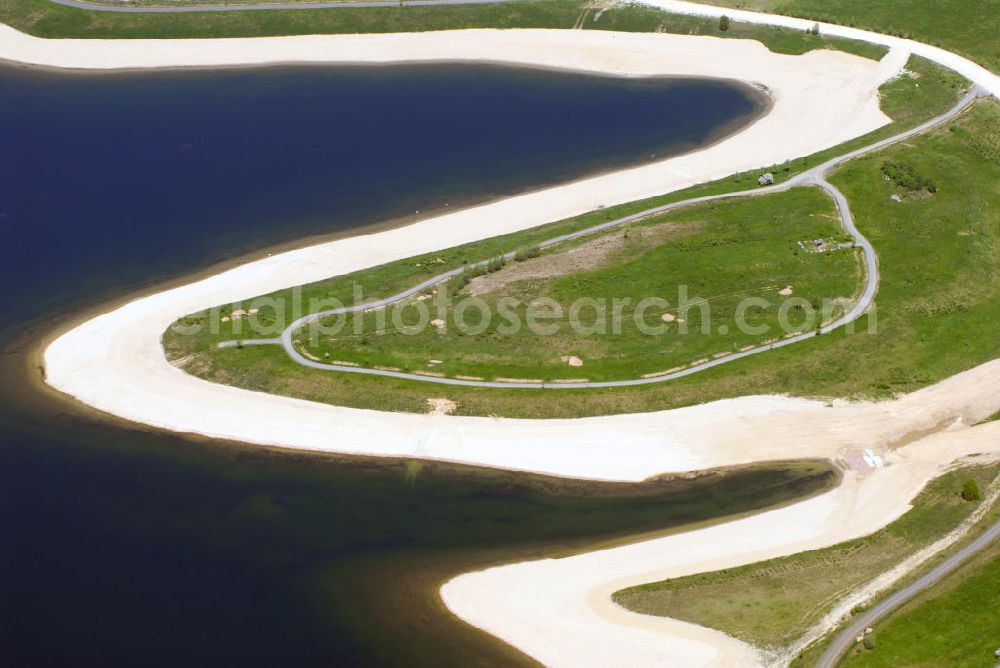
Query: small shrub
pixel 814 30
pixel 869 642
pixel 724 23
pixel 970 490
pixel 527 253
pixel 495 264
pixel 463 279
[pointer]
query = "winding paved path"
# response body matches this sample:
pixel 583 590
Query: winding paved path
pixel 815 176
pixel 986 83
pixel 842 643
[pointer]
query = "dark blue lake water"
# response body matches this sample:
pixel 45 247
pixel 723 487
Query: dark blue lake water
pixel 122 546
pixel 111 180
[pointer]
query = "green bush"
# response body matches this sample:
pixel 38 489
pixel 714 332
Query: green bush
pixel 970 490
pixel 724 23
pixel 907 178
pixel 869 642
pixel 527 253
pixel 495 264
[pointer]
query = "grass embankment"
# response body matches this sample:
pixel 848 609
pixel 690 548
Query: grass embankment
pixel 954 623
pixel 772 603
pixel 718 253
pixel 924 242
pixel 47 19
pixel 950 641
pixel 967 28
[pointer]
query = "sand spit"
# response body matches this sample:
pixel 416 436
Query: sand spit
pixel 115 361
pixel 560 610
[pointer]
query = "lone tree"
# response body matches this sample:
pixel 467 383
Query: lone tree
pixel 724 23
pixel 814 30
pixel 970 490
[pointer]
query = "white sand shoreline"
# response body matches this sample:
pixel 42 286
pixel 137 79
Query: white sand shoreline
pixel 970 70
pixel 560 611
pixel 114 362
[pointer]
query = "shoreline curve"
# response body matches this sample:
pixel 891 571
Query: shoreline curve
pixel 645 444
pixel 115 363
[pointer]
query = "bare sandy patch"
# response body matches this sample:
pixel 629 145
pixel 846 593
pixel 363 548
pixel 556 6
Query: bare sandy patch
pixel 588 256
pixel 441 406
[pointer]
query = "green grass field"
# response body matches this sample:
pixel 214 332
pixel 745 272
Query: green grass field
pixel 955 623
pixel 772 603
pixel 719 253
pixel 961 26
pixel 46 19
pixel 929 648
pixel 958 25
pixel 920 242
pixel 968 28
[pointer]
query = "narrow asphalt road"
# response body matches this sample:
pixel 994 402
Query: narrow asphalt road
pixel 812 177
pixel 848 636
pixel 124 8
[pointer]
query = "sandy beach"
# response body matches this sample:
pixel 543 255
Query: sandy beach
pixel 115 362
pixel 970 70
pixel 560 611
pixel 556 610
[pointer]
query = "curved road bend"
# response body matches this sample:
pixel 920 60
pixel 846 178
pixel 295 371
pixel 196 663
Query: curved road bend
pixel 264 6
pixel 848 636
pixel 812 177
